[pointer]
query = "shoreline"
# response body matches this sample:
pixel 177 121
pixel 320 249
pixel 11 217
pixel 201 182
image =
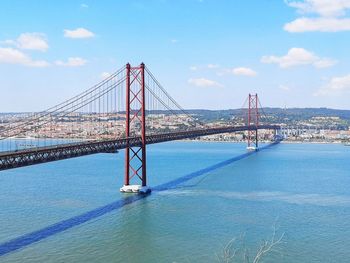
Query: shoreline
pixel 205 141
pixel 283 141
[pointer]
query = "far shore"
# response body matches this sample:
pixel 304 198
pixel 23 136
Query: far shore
pixel 286 142
pixel 198 140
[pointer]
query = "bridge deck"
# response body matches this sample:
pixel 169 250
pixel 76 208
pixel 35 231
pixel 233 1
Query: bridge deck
pixel 26 157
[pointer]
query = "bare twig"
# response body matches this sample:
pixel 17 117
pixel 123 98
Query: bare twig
pixel 229 251
pixel 267 245
pixel 235 249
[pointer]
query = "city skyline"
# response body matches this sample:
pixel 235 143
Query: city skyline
pixel 293 53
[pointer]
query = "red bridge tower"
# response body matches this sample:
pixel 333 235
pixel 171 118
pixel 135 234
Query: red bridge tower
pixel 135 157
pixel 253 122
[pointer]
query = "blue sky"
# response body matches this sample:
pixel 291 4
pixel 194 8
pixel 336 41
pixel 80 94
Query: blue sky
pixel 207 53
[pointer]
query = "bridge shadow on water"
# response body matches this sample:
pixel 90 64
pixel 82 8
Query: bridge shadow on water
pixel 36 236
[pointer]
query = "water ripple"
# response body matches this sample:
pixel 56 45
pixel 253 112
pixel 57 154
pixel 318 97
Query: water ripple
pixel 266 196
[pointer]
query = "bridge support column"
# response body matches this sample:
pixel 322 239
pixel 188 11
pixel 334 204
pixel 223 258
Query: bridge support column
pixel 253 122
pixel 135 116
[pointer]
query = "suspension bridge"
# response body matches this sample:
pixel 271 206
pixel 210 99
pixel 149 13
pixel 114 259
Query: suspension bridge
pixel 128 110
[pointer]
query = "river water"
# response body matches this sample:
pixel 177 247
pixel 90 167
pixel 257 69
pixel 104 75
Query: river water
pixel 72 211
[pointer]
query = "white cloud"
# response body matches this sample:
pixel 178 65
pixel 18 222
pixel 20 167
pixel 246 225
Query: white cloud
pixel 321 24
pixel 239 71
pixel 330 8
pixel 14 56
pixel 105 75
pixel 244 72
pixel 72 62
pixel 34 41
pixel 84 6
pixel 202 82
pixel 174 41
pixel 31 41
pixel 325 63
pixel 213 66
pixel 299 56
pixel 78 33
pixel 284 87
pixel 337 86
pixel 204 67
pixel 331 16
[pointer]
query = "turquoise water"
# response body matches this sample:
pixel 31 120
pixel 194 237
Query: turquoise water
pixel 302 187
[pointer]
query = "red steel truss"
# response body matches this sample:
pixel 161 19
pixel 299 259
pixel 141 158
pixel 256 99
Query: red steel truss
pixel 253 120
pixel 135 157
